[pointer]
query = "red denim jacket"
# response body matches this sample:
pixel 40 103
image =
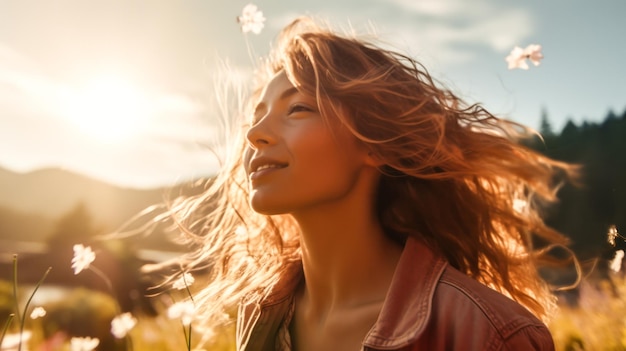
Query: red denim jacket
pixel 430 306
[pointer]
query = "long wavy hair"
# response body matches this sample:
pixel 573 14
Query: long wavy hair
pixel 454 176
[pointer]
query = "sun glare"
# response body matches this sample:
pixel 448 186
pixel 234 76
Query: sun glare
pixel 109 108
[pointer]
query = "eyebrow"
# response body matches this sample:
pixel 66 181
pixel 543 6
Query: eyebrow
pixel 285 94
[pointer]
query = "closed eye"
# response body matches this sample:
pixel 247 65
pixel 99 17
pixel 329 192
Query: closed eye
pixel 298 108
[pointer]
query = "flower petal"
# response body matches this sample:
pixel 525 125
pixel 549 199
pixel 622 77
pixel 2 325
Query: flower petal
pixel 251 19
pixel 186 311
pixel 533 53
pixel 185 281
pixel 84 343
pixel 83 257
pixel 616 263
pixel 37 312
pixel 122 324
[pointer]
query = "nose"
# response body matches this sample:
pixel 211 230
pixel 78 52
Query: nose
pixel 260 134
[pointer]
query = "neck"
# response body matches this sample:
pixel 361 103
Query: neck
pixel 348 261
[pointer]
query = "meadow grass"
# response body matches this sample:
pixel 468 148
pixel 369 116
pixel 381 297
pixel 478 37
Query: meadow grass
pixel 596 323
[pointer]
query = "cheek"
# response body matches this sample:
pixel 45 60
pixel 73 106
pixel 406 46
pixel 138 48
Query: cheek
pixel 327 162
pixel 313 148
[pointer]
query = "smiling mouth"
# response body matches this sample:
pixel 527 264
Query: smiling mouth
pixel 266 168
pixel 262 167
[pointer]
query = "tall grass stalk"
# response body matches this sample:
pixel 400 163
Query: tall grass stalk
pixel 188 333
pixel 30 298
pixel 6 327
pixel 15 299
pixel 21 318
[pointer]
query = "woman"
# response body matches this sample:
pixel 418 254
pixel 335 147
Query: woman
pixel 369 209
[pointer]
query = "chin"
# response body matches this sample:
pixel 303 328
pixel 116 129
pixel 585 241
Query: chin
pixel 264 208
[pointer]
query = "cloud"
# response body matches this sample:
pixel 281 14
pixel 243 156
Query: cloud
pixel 450 32
pixel 19 78
pixel 443 8
pixel 36 130
pixel 453 32
pixel 431 7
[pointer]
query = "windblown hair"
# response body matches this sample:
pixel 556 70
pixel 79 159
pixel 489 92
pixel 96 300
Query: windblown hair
pixel 453 176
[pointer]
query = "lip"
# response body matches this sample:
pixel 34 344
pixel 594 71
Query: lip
pixel 266 165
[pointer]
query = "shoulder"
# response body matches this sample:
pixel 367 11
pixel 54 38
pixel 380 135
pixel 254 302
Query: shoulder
pixel 473 313
pixel 432 306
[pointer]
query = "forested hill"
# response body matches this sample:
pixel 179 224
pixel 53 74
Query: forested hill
pixel 585 213
pixel 53 192
pixel 33 205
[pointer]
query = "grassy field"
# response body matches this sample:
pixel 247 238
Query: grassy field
pixel 596 323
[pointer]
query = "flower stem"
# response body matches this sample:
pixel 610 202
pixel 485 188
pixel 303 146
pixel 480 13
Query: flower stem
pixel 187 334
pixel 189 338
pixel 107 281
pixel 190 294
pixel 30 298
pixel 129 343
pixel 6 327
pixel 17 304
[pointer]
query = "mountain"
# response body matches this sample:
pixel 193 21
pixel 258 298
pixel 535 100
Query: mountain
pixel 21 225
pixel 31 203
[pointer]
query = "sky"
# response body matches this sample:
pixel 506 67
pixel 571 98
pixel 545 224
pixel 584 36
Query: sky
pixel 124 90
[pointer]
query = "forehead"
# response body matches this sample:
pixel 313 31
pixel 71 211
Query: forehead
pixel 277 88
pixel 278 84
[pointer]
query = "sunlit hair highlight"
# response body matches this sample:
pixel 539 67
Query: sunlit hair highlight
pixel 454 176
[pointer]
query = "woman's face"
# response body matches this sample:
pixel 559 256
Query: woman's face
pixel 295 160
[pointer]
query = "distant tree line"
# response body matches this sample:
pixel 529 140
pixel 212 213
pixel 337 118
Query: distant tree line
pixel 585 212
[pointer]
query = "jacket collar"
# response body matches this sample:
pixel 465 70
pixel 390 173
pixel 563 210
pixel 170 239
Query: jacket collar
pixel 408 304
pixel 406 309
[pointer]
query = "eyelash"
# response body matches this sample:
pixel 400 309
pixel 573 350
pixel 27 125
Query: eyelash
pixel 298 108
pixel 292 109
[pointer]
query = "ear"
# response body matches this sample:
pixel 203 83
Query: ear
pixel 373 160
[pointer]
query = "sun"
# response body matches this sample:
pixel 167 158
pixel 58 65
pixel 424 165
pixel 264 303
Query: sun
pixel 109 108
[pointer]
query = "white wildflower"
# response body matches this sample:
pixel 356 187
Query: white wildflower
pixel 251 19
pixel 184 281
pixel 516 59
pixel 83 256
pixel 518 56
pixel 122 324
pixel 612 234
pixel 12 341
pixel 533 53
pixel 37 312
pixel 84 344
pixel 186 311
pixel 616 262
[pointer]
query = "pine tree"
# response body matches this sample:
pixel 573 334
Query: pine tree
pixel 545 127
